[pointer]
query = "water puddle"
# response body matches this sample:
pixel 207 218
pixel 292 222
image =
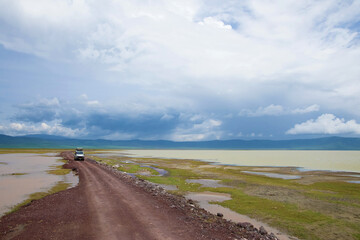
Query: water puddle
pixel 24 174
pixel 204 198
pixel 130 174
pixel 160 171
pixel 353 182
pixel 351 175
pixel 274 175
pixel 207 182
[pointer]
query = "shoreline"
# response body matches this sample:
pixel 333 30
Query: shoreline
pixel 315 196
pixel 66 214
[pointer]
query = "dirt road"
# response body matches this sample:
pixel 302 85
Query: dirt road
pixel 107 205
pixel 119 210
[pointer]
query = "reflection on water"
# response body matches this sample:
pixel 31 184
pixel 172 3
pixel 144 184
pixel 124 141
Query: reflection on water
pixel 274 175
pixel 353 181
pixel 161 172
pixel 15 188
pixel 212 183
pixel 315 160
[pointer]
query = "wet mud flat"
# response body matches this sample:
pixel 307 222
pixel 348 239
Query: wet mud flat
pixel 69 214
pixel 208 200
pixel 22 174
pixel 209 224
pixel 295 202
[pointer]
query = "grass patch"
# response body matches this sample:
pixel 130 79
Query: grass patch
pixel 18 174
pixel 177 177
pixel 288 217
pixel 125 166
pixel 60 186
pixel 58 169
pixel 134 168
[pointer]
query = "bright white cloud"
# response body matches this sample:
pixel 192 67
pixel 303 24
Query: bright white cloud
pixel 52 128
pixel 195 56
pixel 272 40
pixel 326 124
pixel 277 110
pixel 312 108
pixel 210 21
pixel 205 130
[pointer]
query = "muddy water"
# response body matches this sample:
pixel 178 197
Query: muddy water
pixel 207 183
pixel 313 160
pixel 23 174
pixel 204 198
pixel 274 175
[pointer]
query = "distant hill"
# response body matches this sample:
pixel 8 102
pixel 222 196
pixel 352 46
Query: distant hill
pixel 45 136
pixel 48 141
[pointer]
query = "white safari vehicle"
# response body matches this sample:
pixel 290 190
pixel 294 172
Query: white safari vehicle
pixel 79 154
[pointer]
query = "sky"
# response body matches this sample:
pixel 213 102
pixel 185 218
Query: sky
pixel 181 70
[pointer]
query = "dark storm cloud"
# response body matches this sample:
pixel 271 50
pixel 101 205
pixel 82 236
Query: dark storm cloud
pixel 142 125
pixel 35 112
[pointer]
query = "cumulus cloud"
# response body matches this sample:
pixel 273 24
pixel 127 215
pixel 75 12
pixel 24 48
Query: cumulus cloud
pixel 309 109
pixel 326 124
pixel 154 61
pixel 126 35
pixel 50 128
pixel 205 130
pixel 210 21
pixel 277 110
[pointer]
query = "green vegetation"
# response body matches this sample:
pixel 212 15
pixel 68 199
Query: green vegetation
pixel 177 177
pixel 14 174
pixel 60 186
pixel 58 169
pixel 320 205
pixel 18 174
pixel 126 166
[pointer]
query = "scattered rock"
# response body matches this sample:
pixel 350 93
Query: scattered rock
pixel 245 225
pixel 207 221
pixel 262 231
pixel 272 235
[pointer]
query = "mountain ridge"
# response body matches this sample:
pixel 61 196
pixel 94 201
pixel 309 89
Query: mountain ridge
pixel 50 141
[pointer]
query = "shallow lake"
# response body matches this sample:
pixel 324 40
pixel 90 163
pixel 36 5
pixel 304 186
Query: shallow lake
pixel 23 173
pixel 308 160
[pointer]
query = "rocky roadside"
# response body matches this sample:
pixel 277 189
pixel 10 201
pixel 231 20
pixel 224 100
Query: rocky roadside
pixel 206 221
